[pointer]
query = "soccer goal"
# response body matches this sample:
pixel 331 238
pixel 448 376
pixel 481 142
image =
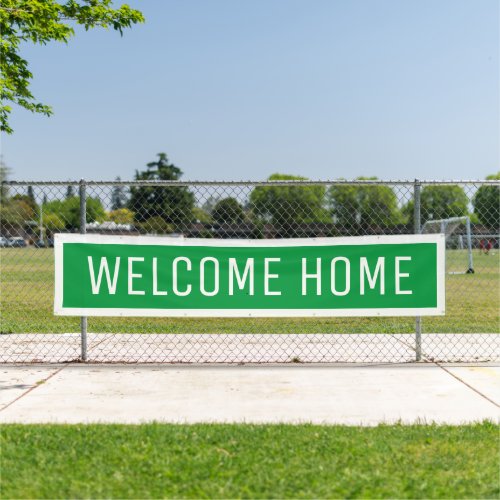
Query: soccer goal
pixel 458 242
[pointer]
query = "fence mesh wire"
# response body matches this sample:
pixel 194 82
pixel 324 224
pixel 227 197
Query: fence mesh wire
pixel 31 213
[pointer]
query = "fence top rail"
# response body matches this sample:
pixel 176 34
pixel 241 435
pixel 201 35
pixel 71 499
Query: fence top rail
pixel 252 183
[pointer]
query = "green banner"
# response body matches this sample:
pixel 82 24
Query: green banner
pixel 160 276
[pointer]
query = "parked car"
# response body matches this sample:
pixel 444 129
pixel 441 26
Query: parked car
pixel 4 242
pixel 39 244
pixel 17 242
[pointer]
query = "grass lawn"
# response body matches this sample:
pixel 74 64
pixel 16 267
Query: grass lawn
pixel 27 293
pixel 27 290
pixel 249 461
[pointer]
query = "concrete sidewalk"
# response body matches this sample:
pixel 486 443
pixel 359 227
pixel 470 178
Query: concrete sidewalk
pixel 333 394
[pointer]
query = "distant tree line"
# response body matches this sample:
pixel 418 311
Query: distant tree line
pixel 351 208
pixel 339 208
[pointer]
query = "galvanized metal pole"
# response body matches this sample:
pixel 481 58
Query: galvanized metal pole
pixel 469 245
pixel 83 230
pixel 417 230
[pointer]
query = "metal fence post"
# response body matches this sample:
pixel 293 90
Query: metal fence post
pixel 417 230
pixel 470 269
pixel 83 230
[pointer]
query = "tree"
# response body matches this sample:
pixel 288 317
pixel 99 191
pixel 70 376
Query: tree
pixel 157 225
pixel 53 223
pixel 288 206
pixel 41 22
pixel 363 205
pixel 201 215
pixel 4 173
pixel 486 203
pixel 118 197
pixel 69 211
pixel 209 204
pixel 228 211
pixel 439 202
pixel 121 216
pixel 31 195
pixel 14 213
pixel 28 200
pixel 173 203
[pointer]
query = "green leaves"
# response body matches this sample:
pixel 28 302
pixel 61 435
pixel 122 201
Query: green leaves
pixel 441 202
pixel 228 211
pixel 487 204
pixel 68 210
pixel 42 21
pixel 359 206
pixel 288 205
pixel 174 204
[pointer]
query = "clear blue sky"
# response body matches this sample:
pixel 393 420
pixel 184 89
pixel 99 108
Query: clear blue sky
pixel 236 90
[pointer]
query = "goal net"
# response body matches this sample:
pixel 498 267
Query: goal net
pixel 458 242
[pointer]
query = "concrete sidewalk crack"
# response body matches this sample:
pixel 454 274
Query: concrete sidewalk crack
pixel 429 360
pixel 477 391
pixel 38 384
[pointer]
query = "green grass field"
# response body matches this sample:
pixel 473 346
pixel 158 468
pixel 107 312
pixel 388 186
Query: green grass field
pixel 249 461
pixel 27 288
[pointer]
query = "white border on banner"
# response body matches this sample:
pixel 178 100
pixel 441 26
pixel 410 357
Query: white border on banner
pixel 60 239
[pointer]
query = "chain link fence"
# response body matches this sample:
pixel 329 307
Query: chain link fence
pixel 467 212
